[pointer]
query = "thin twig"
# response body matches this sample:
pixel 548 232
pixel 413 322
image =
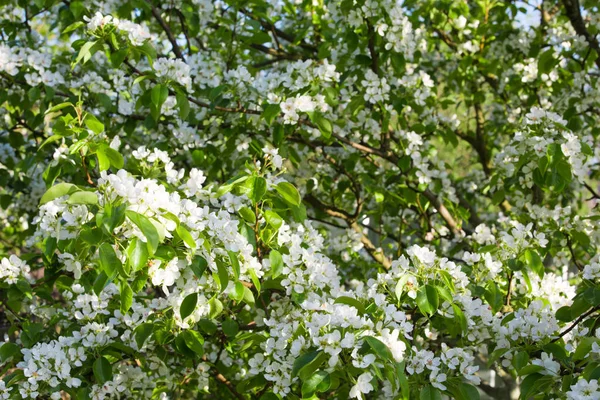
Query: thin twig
pixel 577 321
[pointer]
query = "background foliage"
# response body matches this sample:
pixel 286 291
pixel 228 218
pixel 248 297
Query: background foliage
pixel 299 199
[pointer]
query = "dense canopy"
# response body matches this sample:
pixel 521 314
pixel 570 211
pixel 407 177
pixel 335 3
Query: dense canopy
pixel 315 199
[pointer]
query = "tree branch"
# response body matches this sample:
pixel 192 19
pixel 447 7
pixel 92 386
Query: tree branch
pixel 577 321
pixel 573 11
pixel 375 253
pixel 167 29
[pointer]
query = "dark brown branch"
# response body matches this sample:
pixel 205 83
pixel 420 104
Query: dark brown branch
pixel 577 321
pixel 444 213
pixel 509 289
pixel 372 51
pixel 278 32
pixel 572 251
pixel 375 253
pixel 480 145
pixel 219 377
pixel 573 11
pixel 595 195
pixel 167 29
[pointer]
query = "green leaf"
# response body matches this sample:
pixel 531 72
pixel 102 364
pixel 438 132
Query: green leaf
pixel 427 299
pixel 534 262
pixel 322 123
pixel 102 370
pixel 109 262
pixel 496 354
pixel 142 333
pixel 273 219
pixel 230 184
pixel 194 341
pixel 319 381
pixel 186 236
pixel 289 193
pixel 247 214
pixel 400 285
pixel 149 51
pixel 223 275
pixel 159 95
pixel 430 393
pixel 103 160
pixel 73 26
pixel 183 104
pixel 235 263
pixel 83 197
pixel 198 266
pixel 380 349
pixel 305 365
pixel 464 391
pixel 230 327
pixel 58 190
pixel 117 58
pixel 93 124
pixel 100 282
pixel 216 92
pixel 137 254
pixel 350 301
pixel 216 307
pixel 126 297
pixel 208 326
pixel 116 158
pixel 237 293
pixel 188 305
pixel 460 318
pixel 7 351
pixel 303 360
pixel 51 139
pixel 248 295
pixel 147 228
pixel 276 263
pixel 271 112
pixel 546 61
pixel 59 107
pixel 255 279
pixel 401 374
pixel 582 238
pixel 530 385
pixel 530 369
pixel 84 53
pixel 520 360
pixel 584 348
pixel 258 188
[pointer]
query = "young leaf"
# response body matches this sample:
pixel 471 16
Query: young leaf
pixel 258 188
pixel 198 266
pixel 58 190
pixel 188 305
pixel 430 393
pixel 109 262
pixel 147 228
pixel 222 274
pixel 534 262
pixel 276 263
pixel 126 297
pixel 83 197
pixel 142 332
pixel 427 299
pixel 289 193
pixel 235 264
pixel 194 341
pixel 137 254
pixel 102 370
